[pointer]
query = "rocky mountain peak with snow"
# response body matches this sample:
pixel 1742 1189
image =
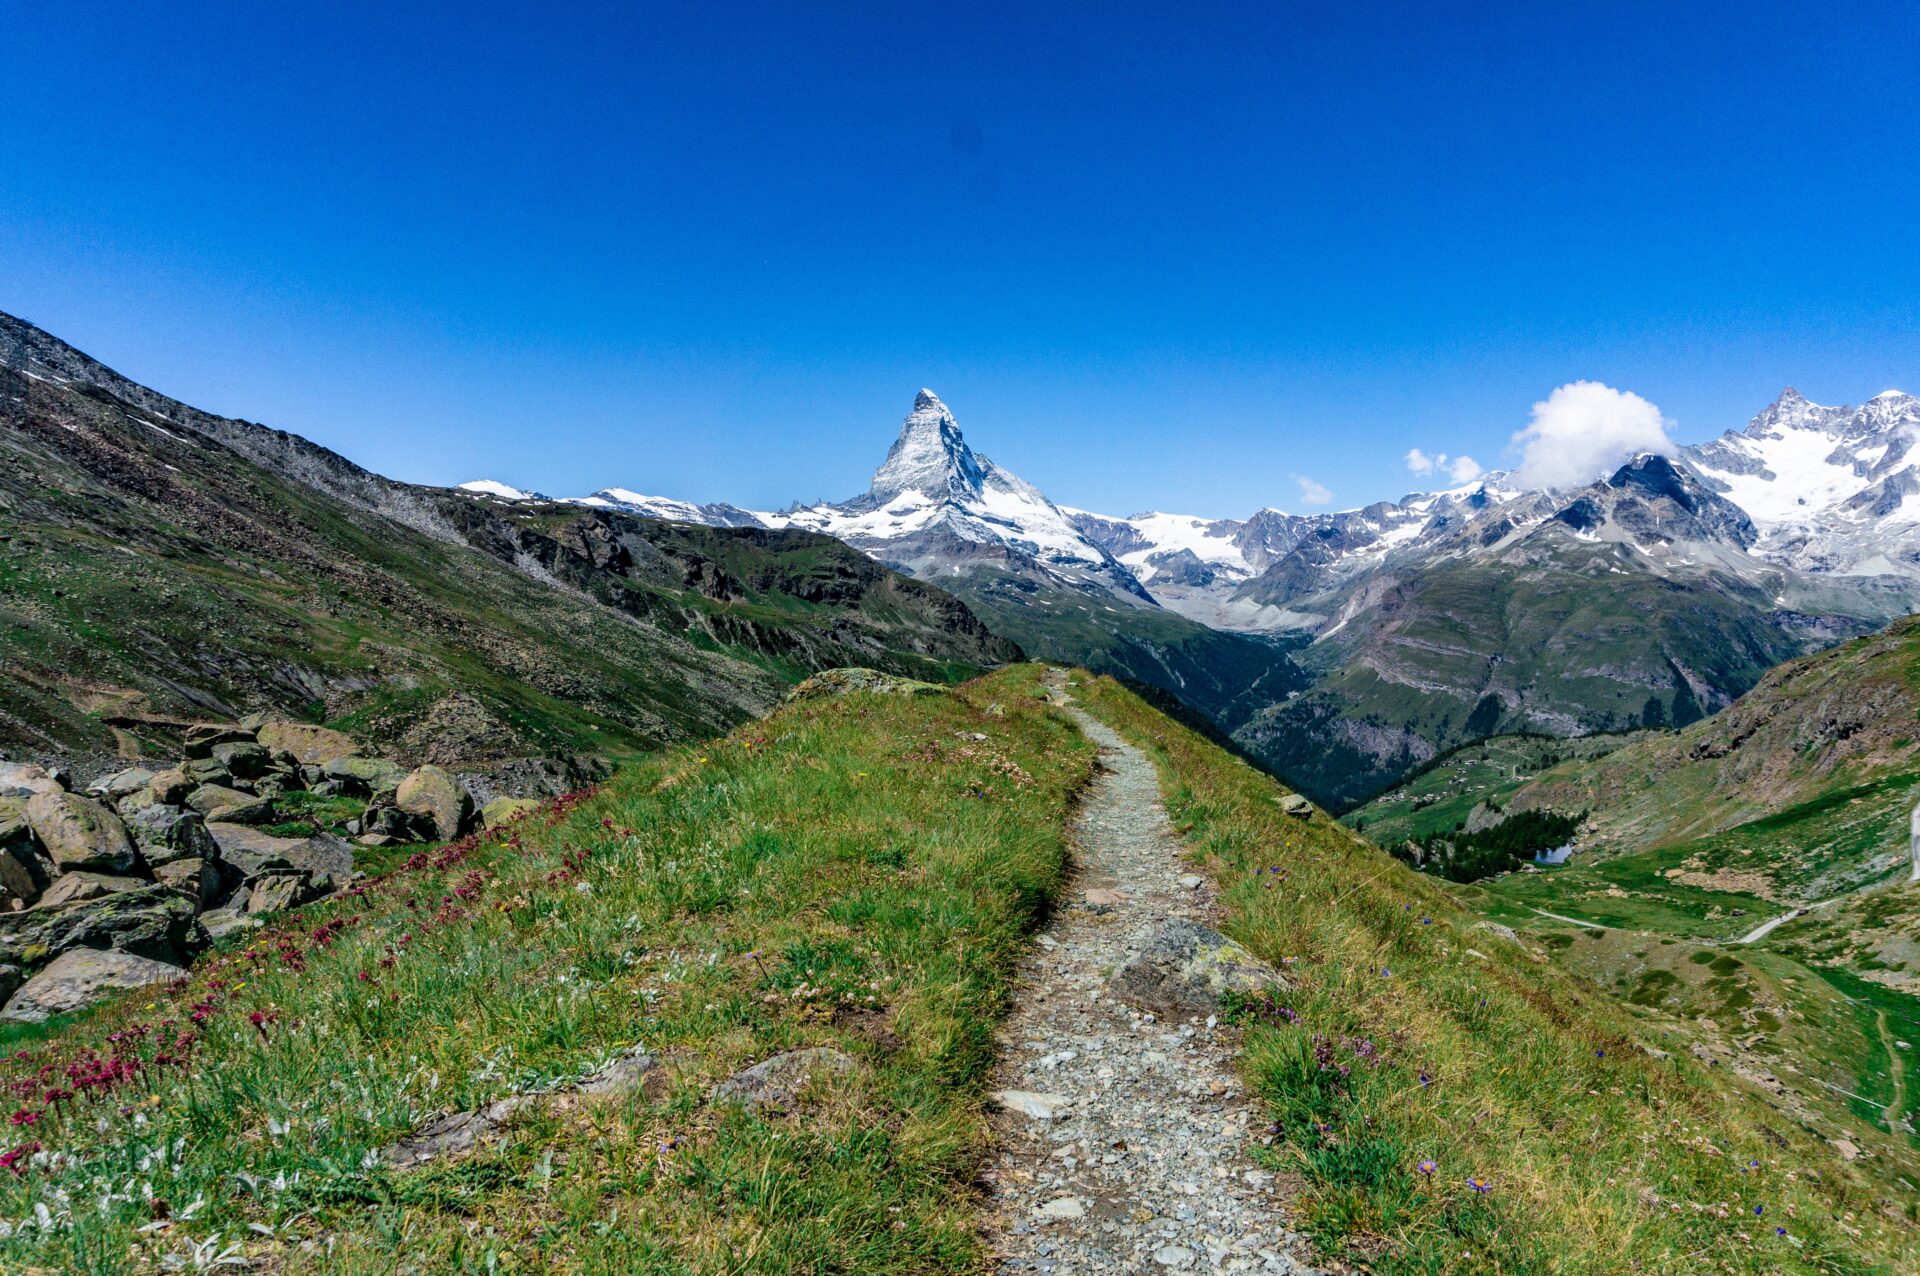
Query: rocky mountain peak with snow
pixel 930 456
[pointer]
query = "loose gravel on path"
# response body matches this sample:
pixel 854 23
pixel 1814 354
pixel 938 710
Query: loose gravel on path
pixel 1123 1140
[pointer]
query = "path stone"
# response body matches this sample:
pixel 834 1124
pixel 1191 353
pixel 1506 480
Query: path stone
pixel 1145 1127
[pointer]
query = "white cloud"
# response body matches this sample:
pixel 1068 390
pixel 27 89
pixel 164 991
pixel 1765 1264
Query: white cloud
pixel 1584 429
pixel 1312 493
pixel 1461 469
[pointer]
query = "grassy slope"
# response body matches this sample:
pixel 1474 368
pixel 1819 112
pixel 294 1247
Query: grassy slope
pixel 1601 1155
pixel 160 573
pixel 855 872
pixel 1443 793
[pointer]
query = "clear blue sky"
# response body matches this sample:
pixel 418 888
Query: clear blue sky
pixel 1153 256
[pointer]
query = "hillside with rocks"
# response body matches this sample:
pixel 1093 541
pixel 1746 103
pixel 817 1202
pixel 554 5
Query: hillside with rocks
pixel 161 566
pixel 122 884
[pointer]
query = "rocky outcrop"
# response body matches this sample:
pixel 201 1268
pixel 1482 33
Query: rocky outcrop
pixel 155 864
pixel 840 682
pixel 80 978
pixel 310 745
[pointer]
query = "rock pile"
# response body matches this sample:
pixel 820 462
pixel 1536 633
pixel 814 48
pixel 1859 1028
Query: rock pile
pixel 121 885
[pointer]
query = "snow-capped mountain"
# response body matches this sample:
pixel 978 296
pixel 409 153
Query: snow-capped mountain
pixel 936 508
pixel 1826 487
pixel 1654 594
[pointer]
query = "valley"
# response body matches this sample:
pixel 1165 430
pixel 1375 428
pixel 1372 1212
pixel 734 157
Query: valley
pixel 804 923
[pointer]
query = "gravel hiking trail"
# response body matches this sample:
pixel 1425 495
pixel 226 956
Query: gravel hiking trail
pixel 1122 1140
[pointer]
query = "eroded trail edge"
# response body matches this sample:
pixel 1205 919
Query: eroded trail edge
pixel 1123 1135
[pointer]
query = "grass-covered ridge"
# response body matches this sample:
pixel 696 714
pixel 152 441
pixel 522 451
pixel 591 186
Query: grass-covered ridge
pixel 1449 1104
pixel 858 872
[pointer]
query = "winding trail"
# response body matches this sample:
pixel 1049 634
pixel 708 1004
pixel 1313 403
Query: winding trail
pixel 1122 1140
pixel 1575 921
pixel 1764 929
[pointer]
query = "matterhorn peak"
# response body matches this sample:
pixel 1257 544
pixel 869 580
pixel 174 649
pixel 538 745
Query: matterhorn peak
pixel 929 457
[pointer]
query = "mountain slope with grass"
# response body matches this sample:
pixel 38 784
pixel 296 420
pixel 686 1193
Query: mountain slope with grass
pixel 850 884
pixel 1446 1100
pixel 160 565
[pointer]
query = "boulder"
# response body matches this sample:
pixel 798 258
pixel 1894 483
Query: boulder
pixel 121 784
pixel 79 833
pixel 841 682
pixel 454 1134
pixel 169 833
pixel 11 978
pixel 202 737
pixel 278 891
pixel 23 780
pixel 505 810
pixel 170 787
pixel 392 822
pixel 150 920
pixel 310 745
pixel 197 880
pixel 432 793
pixel 80 978
pixel 776 1084
pixel 206 771
pixel 249 853
pixel 25 867
pixel 1296 806
pixel 230 806
pixel 365 776
pixel 1186 968
pixel 72 888
pixel 243 759
pixel 221 922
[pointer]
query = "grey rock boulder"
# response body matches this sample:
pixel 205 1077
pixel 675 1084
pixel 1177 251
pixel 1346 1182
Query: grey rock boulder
pixel 203 736
pixel 243 759
pixel 364 776
pixel 1187 969
pixel 170 787
pixel 1296 806
pixel 73 888
pixel 248 852
pixel 218 803
pixel 80 833
pixel 150 921
pixel 169 833
pixel 776 1084
pixel 121 784
pixel 80 978
pixel 23 780
pixel 432 794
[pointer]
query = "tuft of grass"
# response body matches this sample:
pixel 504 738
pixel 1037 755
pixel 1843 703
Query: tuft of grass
pixel 1561 1137
pixel 858 873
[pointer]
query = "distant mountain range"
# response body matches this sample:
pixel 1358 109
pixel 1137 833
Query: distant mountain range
pixel 1347 648
pixel 161 565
